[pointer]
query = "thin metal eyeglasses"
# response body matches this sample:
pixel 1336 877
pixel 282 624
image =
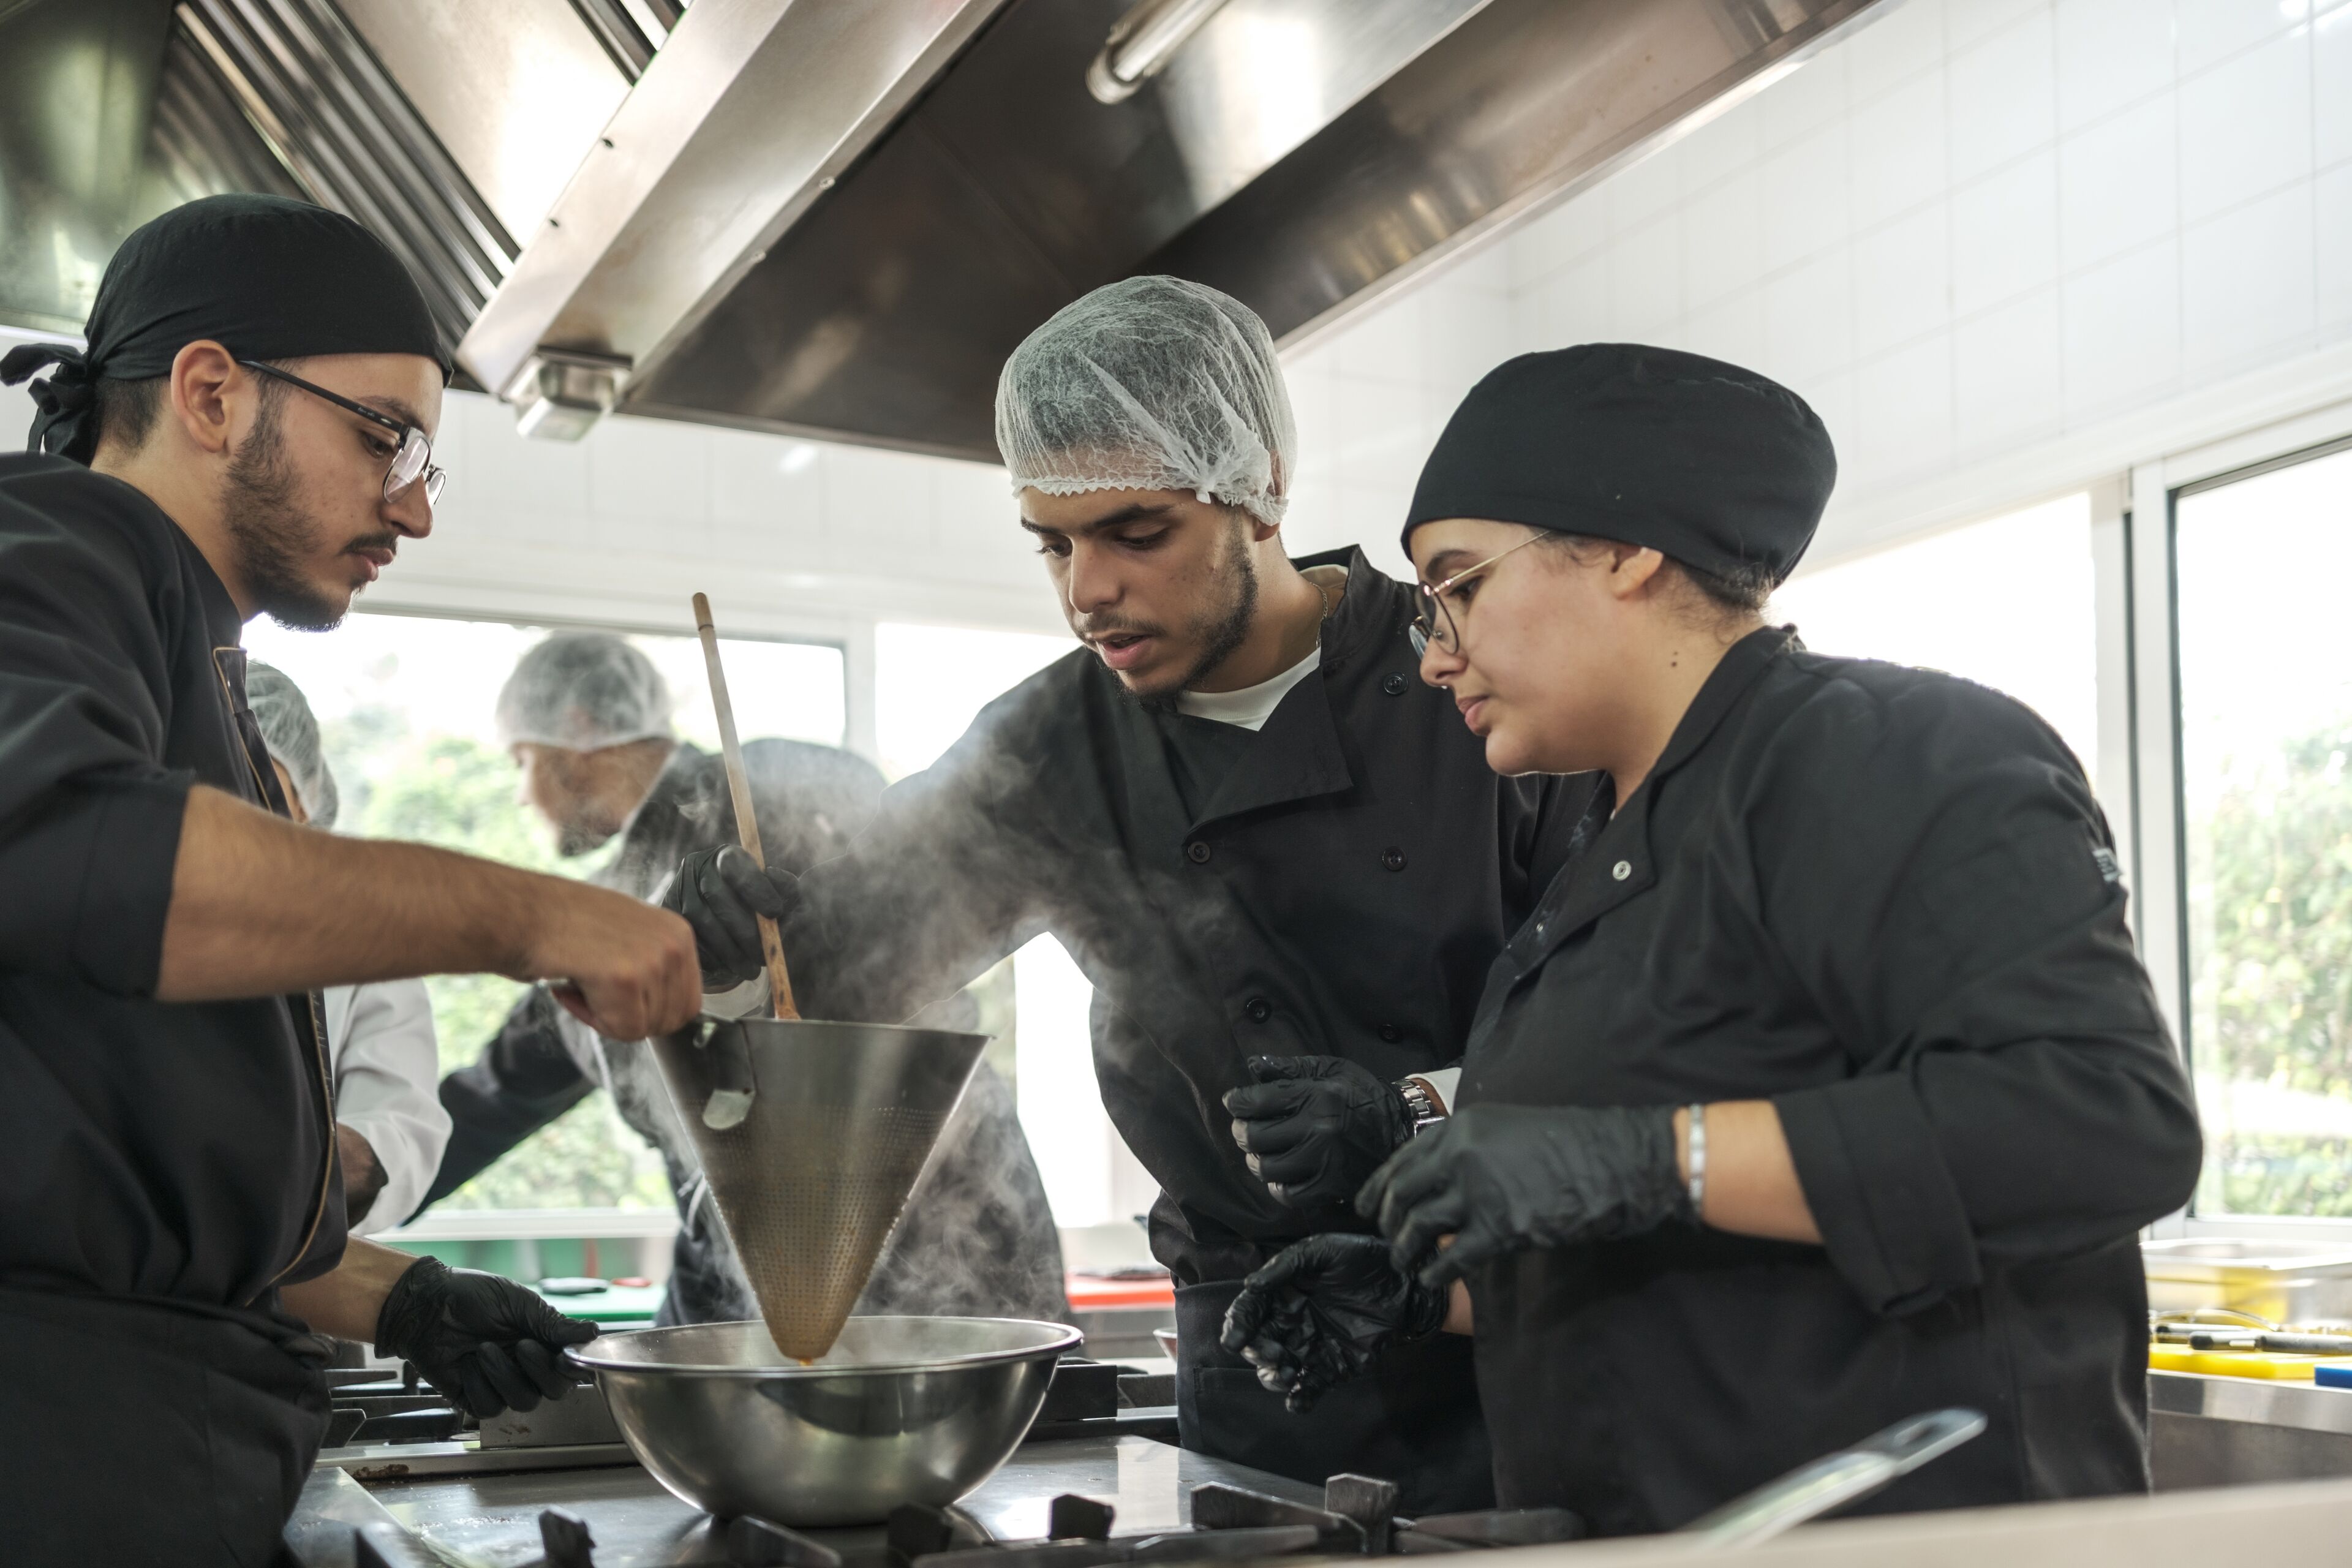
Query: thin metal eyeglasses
pixel 1433 622
pixel 411 462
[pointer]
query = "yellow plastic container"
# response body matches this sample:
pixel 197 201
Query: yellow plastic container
pixel 2274 1365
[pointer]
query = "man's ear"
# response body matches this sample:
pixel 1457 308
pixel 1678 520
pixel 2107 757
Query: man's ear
pixel 207 385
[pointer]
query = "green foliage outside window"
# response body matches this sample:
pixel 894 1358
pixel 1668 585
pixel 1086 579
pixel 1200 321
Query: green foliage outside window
pixel 2274 1004
pixel 457 793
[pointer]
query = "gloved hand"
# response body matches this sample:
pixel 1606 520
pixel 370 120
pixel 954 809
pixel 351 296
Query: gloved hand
pixel 485 1343
pixel 1315 1127
pixel 1323 1310
pixel 1498 1178
pixel 720 892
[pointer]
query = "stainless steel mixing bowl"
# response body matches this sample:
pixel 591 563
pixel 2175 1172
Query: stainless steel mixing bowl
pixel 900 1410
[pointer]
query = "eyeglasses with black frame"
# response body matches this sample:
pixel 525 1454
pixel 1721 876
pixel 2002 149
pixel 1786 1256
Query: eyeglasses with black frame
pixel 412 461
pixel 1433 622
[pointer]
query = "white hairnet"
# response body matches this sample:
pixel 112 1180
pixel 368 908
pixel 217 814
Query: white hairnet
pixel 583 691
pixel 1153 384
pixel 291 732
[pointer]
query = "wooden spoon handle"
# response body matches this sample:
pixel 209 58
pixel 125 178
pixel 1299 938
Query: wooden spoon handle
pixel 747 824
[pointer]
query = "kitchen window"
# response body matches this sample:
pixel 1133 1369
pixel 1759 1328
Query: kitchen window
pixel 2261 560
pixel 406 707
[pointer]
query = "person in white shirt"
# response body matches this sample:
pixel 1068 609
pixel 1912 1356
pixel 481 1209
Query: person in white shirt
pixel 390 1129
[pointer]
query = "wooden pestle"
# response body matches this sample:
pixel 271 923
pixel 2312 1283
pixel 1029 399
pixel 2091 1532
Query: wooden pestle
pixel 747 824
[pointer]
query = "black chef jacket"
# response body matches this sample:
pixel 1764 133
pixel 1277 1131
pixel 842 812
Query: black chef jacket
pixel 1884 900
pixel 169 1150
pixel 977 1239
pixel 1341 891
pixel 171 1163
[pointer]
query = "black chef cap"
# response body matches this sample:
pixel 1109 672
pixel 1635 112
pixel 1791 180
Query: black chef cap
pixel 264 276
pixel 1710 465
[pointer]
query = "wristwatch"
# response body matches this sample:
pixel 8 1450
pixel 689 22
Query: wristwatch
pixel 1419 1103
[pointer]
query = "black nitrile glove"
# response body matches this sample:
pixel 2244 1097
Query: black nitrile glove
pixel 721 893
pixel 1323 1310
pixel 1315 1127
pixel 1498 1178
pixel 484 1342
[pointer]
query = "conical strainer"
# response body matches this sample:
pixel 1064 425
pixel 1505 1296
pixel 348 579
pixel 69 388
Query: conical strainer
pixel 811 1179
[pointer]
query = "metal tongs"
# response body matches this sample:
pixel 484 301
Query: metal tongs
pixel 1832 1482
pixel 730 1101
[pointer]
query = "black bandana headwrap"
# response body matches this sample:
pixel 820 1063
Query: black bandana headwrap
pixel 266 278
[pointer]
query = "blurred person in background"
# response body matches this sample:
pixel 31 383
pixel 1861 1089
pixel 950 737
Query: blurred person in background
pixel 1281 862
pixel 390 1129
pixel 586 717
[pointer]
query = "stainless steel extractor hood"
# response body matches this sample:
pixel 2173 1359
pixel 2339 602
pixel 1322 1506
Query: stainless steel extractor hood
pixel 1302 154
pixel 836 218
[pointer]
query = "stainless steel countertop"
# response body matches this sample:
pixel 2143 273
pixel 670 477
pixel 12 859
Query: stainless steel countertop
pixel 2264 1402
pixel 493 1520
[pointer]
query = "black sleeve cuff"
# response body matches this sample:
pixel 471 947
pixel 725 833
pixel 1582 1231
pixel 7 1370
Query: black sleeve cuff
pixel 126 887
pixel 1872 1172
pixel 89 881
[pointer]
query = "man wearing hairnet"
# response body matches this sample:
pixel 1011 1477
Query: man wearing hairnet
pixel 1280 858
pixel 389 1127
pixel 587 718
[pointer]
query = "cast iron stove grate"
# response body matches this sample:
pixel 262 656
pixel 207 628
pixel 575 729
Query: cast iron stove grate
pixel 1230 1525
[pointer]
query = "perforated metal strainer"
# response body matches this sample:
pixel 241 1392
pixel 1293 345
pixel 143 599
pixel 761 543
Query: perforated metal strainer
pixel 810 1181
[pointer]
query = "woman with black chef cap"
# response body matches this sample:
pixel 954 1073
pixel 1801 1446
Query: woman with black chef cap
pixel 1825 1087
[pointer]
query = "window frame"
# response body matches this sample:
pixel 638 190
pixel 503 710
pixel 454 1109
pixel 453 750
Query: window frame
pixel 2145 785
pixel 836 640
pixel 569 609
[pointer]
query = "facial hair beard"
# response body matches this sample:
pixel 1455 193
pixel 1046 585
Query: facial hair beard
pixel 268 531
pixel 1227 630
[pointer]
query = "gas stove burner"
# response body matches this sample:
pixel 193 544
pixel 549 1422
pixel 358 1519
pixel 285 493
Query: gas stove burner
pixel 385 1409
pixel 1230 1525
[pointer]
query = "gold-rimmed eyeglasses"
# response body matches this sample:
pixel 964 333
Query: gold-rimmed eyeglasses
pixel 1436 621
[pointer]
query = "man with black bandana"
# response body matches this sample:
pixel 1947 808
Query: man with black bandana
pixel 248 431
pixel 1279 859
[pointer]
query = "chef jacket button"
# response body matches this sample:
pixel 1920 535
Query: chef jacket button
pixel 1258 1008
pixel 1392 858
pixel 1394 685
pixel 1197 852
pixel 1622 870
pixel 1390 1033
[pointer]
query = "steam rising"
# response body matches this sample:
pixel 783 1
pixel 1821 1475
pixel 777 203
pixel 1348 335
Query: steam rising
pixel 977 1237
pixel 1055 811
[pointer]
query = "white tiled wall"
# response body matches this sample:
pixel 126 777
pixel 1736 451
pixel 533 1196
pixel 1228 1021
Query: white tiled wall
pixel 791 532
pixel 1371 399
pixel 1972 226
